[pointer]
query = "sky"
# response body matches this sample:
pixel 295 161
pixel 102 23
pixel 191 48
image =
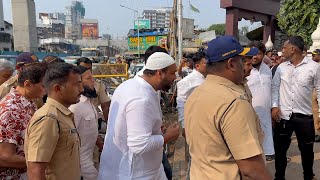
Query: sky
pixel 117 21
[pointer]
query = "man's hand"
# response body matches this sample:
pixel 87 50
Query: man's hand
pixel 276 114
pixel 318 124
pixel 99 143
pixel 183 132
pixel 183 61
pixel 172 133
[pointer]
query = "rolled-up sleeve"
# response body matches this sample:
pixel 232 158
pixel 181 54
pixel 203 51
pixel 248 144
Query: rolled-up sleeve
pixel 275 86
pixel 140 123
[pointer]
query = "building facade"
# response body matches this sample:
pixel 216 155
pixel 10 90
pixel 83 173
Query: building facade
pixel 159 18
pixel 73 14
pixel 50 27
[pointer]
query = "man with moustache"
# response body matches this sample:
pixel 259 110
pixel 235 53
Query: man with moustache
pixel 52 141
pixel 259 83
pixel 86 120
pixel 134 143
pixel 16 110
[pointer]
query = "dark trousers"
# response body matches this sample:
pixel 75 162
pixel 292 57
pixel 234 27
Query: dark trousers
pixel 166 166
pixel 303 127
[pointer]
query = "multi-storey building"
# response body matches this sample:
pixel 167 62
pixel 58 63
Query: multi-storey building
pixel 159 18
pixel 73 14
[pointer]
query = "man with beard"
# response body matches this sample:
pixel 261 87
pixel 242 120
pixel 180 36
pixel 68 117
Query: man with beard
pixel 86 121
pixel 259 83
pixel 52 141
pixel 134 143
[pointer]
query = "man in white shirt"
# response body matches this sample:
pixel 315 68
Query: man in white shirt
pixel 86 121
pixel 292 88
pixel 134 144
pixel 189 83
pixel 259 83
pixel 148 53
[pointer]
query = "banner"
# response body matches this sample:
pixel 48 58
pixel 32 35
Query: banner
pixel 90 31
pixel 143 24
pixel 145 43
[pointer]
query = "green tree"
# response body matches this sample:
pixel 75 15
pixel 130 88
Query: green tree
pixel 299 17
pixel 219 28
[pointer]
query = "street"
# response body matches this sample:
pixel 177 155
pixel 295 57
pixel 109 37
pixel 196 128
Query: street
pixel 294 168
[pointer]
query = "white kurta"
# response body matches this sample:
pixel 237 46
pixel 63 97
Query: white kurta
pixel 259 83
pixel 86 120
pixel 133 145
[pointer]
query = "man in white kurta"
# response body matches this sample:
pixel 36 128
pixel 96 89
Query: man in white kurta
pixel 259 83
pixel 134 143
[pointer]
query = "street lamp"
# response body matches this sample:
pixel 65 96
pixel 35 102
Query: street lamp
pixel 138 26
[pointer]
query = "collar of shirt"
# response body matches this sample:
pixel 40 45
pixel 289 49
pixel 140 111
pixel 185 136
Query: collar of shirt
pixel 197 73
pixel 224 82
pixel 59 106
pixel 24 101
pixel 145 84
pixel 304 61
pixel 84 98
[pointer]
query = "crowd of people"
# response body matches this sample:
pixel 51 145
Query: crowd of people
pixel 237 108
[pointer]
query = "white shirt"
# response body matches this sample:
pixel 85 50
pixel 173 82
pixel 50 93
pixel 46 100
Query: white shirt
pixel 133 145
pixel 86 121
pixel 140 73
pixel 185 88
pixel 259 83
pixel 292 87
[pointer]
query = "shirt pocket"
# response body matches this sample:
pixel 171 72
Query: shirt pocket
pixel 90 121
pixel 304 79
pixel 73 142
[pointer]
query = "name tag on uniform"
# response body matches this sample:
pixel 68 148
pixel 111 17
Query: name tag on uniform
pixel 74 130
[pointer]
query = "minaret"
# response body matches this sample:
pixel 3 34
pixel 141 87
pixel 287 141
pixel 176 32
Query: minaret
pixel 315 39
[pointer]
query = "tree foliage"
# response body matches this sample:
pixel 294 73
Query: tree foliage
pixel 299 17
pixel 220 29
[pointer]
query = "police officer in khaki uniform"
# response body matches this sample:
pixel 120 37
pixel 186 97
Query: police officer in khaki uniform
pixel 221 127
pixel 52 142
pixel 23 59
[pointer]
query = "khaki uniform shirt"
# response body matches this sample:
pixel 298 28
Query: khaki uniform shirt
pixel 13 82
pixel 102 95
pixel 248 94
pixel 52 137
pixel 315 107
pixel 220 129
pixel 6 86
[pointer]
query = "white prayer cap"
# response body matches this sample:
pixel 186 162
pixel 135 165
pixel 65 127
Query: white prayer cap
pixel 159 60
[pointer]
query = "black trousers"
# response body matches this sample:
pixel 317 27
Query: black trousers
pixel 303 127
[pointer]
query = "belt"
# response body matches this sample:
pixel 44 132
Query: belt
pixel 299 115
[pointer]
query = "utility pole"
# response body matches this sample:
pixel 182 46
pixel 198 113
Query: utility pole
pixel 138 26
pixel 180 30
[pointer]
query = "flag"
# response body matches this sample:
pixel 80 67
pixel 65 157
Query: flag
pixel 194 9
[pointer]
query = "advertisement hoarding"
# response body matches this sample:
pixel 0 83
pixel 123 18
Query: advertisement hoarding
pixel 145 43
pixel 90 30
